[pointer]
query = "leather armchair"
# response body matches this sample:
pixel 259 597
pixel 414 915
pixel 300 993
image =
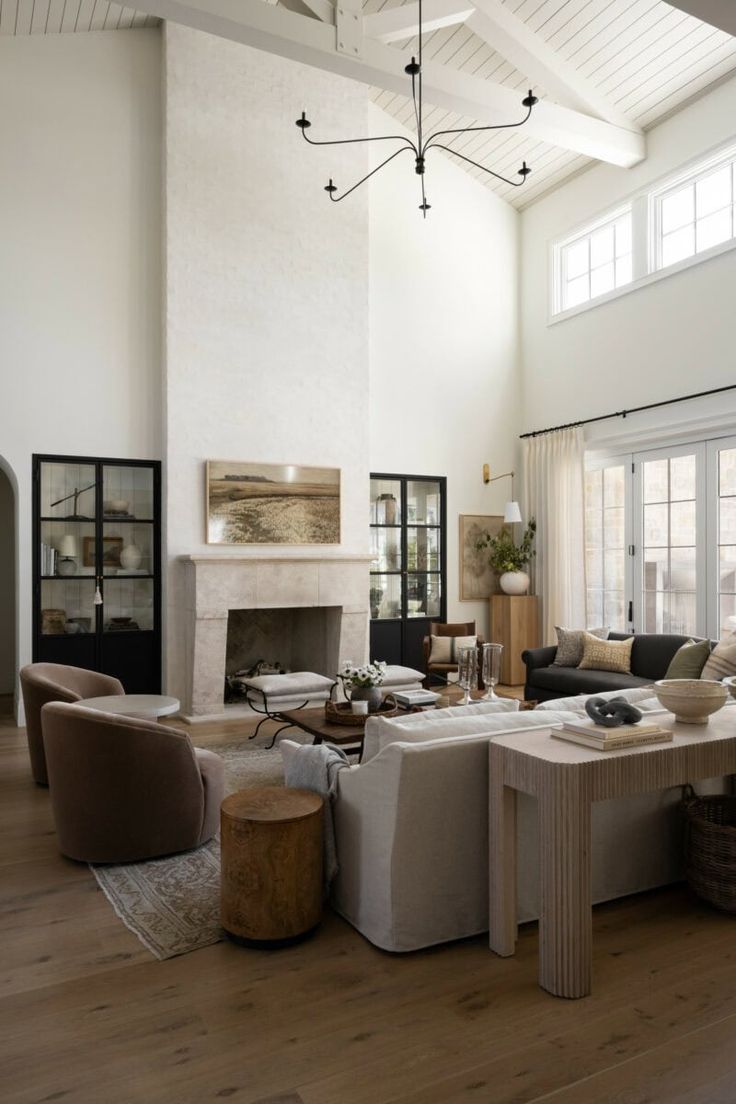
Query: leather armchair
pixel 438 628
pixel 55 682
pixel 125 789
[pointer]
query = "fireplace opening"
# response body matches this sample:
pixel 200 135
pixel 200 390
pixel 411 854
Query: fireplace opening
pixel 274 641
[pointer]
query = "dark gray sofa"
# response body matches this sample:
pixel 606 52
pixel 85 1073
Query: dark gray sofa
pixel 650 657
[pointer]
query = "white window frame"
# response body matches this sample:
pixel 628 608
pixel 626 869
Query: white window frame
pixel 727 157
pixel 714 447
pixel 560 252
pixel 646 247
pixel 618 460
pixel 702 576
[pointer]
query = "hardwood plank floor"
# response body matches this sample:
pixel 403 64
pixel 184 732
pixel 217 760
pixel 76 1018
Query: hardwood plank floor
pixel 87 1016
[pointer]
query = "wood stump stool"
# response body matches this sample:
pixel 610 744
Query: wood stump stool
pixel 271 887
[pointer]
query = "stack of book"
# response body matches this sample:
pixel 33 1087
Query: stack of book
pixel 608 739
pixel 48 559
pixel 410 698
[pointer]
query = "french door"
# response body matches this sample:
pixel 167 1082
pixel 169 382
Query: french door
pixel 407 582
pixel 660 530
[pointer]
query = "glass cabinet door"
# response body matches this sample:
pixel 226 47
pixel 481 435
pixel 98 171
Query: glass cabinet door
pixel 407 534
pixel 97 567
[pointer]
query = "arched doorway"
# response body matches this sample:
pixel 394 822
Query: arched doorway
pixel 7 595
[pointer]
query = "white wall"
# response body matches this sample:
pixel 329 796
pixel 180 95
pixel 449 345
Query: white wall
pixel 673 337
pixel 443 327
pixel 80 276
pixel 267 286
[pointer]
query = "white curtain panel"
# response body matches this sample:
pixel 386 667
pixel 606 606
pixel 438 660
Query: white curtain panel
pixel 554 490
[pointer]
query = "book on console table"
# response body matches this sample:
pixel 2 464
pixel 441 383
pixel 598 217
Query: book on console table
pixel 592 735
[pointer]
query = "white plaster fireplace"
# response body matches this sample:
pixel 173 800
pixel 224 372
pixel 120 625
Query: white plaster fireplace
pixel 214 585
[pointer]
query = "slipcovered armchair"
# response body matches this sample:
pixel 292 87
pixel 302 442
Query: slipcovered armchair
pixel 438 628
pixel 55 682
pixel 124 789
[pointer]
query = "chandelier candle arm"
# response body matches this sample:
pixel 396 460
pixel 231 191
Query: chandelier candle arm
pixel 421 147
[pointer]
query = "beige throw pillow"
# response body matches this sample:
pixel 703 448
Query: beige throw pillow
pixel 606 655
pixel 722 660
pixel 570 645
pixel 444 648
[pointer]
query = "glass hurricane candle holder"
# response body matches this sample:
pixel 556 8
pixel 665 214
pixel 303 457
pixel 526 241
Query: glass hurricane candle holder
pixel 467 671
pixel 491 670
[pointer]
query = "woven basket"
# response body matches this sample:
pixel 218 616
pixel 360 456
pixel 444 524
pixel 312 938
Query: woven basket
pixel 341 712
pixel 710 865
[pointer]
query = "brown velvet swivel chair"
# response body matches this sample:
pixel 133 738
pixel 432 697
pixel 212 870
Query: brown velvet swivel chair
pixel 124 789
pixel 437 628
pixel 55 682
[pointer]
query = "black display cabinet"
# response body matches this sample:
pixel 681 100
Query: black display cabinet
pixel 97 566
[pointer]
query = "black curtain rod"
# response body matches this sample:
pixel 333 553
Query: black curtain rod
pixel 633 410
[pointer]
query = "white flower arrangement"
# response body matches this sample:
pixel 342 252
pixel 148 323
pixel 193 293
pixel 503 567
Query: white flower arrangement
pixel 370 674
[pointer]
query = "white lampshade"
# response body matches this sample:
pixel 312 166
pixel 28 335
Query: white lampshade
pixel 68 545
pixel 512 513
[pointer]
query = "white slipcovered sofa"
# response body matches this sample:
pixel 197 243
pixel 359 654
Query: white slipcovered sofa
pixel 411 824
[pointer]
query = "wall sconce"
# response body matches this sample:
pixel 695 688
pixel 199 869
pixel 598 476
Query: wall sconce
pixel 511 513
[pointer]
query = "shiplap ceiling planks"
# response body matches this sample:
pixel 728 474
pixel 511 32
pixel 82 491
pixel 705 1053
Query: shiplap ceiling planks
pixel 643 57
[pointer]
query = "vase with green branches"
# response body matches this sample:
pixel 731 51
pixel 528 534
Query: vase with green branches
pixel 508 559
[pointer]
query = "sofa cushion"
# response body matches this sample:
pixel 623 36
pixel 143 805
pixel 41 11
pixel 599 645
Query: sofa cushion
pixel 445 648
pixel 381 731
pixel 722 661
pixel 570 645
pixel 606 655
pixel 635 696
pixel 573 680
pixel 450 712
pixel 689 660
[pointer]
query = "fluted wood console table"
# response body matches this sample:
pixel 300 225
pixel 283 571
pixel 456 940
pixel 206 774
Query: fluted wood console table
pixel 566 779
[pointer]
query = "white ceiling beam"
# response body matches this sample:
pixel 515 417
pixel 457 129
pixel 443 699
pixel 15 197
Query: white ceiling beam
pixel 719 13
pixel 539 62
pixel 323 9
pixel 400 23
pixel 312 42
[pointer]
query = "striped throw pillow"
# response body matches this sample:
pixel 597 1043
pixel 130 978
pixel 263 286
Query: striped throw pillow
pixel 722 660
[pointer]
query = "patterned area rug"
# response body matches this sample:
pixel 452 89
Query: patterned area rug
pixel 173 904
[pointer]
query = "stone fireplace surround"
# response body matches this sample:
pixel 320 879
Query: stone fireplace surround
pixel 216 584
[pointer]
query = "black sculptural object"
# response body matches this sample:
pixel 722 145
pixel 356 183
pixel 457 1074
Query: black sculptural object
pixel 612 712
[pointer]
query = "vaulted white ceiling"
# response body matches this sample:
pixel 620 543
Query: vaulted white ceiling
pixel 605 70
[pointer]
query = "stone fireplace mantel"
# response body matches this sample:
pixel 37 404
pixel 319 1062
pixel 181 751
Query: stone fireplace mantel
pixel 215 584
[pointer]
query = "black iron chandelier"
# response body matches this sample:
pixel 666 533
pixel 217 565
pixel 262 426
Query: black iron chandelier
pixel 421 147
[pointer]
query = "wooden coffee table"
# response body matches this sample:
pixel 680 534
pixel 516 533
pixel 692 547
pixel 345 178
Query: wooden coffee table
pixel 316 724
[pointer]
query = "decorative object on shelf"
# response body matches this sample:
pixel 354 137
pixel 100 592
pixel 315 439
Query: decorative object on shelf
pixel 251 503
pixel 116 507
pixel 386 509
pixel 122 624
pixel 376 594
pixel 478 580
pixel 66 563
pixel 508 558
pixel 421 147
pixel 71 628
pixel 130 556
pixel 363 683
pixel 75 515
pixel 467 670
pixel 491 669
pixel 512 512
pixel 111 549
pixel 49 557
pixel 83 623
pixel 53 622
pixel 691 700
pixel 612 712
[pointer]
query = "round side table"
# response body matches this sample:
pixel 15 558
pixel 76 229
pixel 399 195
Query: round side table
pixel 271 882
pixel 149 706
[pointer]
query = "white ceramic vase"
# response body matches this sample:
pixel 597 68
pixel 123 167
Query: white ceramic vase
pixel 514 582
pixel 130 557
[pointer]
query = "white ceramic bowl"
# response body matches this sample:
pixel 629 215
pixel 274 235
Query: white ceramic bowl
pixel 691 700
pixel 115 505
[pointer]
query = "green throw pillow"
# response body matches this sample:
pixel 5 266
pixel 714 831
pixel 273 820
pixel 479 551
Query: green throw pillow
pixel 689 660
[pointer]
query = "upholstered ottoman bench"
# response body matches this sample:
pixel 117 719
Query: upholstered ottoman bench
pixel 401 678
pixel 270 694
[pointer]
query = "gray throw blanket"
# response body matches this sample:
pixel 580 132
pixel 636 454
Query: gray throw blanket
pixel 316 767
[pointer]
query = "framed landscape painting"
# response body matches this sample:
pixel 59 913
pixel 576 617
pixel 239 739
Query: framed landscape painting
pixel 477 579
pixel 251 503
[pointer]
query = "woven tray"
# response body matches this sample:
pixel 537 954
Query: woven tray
pixel 341 712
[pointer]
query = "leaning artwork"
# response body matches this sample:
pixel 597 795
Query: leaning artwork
pixel 250 503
